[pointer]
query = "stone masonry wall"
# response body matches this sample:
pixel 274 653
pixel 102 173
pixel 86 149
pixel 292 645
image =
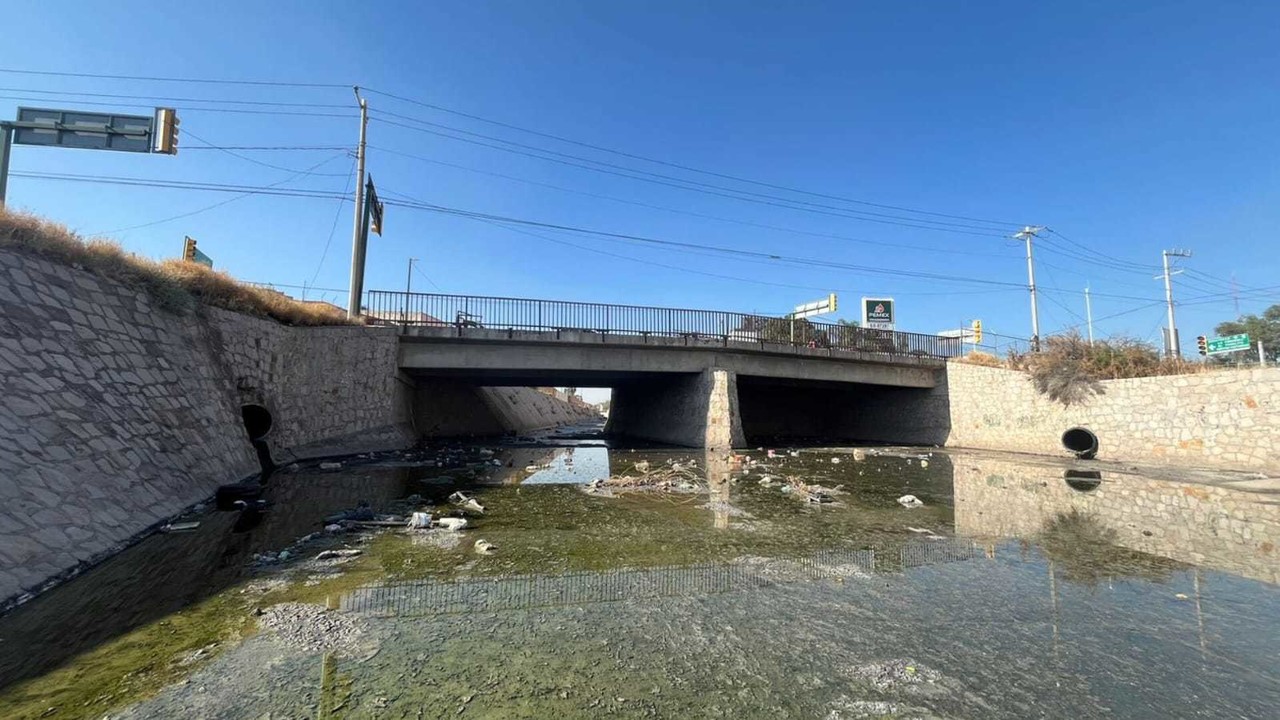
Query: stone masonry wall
pixel 115 414
pixel 449 409
pixel 1226 419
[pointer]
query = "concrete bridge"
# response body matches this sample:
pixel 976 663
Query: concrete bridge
pixel 697 378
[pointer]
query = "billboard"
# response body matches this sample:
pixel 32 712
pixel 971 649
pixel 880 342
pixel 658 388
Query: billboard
pixel 878 313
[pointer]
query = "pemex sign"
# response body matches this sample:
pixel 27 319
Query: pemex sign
pixel 878 313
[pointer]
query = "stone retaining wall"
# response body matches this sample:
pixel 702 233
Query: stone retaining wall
pixel 1227 419
pixel 115 414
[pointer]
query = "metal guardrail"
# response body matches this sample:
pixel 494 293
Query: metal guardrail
pixel 464 311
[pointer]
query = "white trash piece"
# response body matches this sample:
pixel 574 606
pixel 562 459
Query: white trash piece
pixel 452 523
pixel 420 521
pixel 484 547
pixel 910 501
pixel 835 461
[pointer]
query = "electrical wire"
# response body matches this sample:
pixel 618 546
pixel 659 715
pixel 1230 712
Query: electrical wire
pixel 228 201
pixel 145 78
pixel 686 168
pixel 232 153
pixel 164 98
pixel 779 228
pixel 682 183
pixel 188 108
pixel 337 214
pixel 179 185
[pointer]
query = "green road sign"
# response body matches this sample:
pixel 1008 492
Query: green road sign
pixel 1230 343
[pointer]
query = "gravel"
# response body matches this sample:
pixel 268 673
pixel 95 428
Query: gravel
pixel 314 629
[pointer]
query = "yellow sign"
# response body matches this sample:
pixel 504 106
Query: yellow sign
pixel 977 332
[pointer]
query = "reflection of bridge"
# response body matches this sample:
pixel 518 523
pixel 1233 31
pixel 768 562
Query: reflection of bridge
pixel 689 377
pixel 518 592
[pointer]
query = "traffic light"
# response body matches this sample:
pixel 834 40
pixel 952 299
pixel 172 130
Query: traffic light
pixel 1202 343
pixel 166 131
pixel 977 332
pixel 189 249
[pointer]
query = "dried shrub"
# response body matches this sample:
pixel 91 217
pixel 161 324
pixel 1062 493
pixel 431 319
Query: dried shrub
pixel 1069 369
pixel 174 285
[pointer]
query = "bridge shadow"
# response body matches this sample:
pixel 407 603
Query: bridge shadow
pixel 810 412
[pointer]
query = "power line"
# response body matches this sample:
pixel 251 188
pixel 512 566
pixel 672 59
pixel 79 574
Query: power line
pixel 228 201
pixel 688 168
pixel 690 213
pixel 178 185
pixel 237 155
pixel 721 276
pixel 188 108
pixel 683 183
pixel 337 214
pixel 267 148
pixel 809 262
pixel 146 78
pixel 164 98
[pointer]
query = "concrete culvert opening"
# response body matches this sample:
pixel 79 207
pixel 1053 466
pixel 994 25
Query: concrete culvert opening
pixel 1081 441
pixel 1083 480
pixel 257 421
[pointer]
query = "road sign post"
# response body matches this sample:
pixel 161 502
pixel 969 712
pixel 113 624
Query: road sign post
pixel 1230 343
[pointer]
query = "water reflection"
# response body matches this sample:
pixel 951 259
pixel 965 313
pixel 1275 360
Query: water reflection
pixel 1211 526
pixel 1015 577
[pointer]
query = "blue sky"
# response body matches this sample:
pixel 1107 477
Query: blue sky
pixel 1126 127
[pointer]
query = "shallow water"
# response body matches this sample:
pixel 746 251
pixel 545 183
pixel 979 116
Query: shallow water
pixel 1011 593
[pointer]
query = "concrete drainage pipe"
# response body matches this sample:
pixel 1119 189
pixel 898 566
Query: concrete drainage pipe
pixel 1081 441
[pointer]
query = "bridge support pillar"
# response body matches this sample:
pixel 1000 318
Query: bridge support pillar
pixel 693 410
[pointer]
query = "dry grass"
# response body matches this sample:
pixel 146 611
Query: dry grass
pixel 174 285
pixel 977 357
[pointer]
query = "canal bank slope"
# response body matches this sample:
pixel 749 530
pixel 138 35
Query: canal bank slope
pixel 115 414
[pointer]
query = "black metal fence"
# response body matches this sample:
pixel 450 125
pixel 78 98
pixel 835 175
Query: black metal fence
pixel 463 311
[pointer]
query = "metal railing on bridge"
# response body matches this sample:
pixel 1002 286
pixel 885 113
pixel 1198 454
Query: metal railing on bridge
pixel 461 312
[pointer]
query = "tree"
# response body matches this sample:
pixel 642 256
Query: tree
pixel 1265 328
pixel 786 330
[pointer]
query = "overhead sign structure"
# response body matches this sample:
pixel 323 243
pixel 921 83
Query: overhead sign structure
pixel 878 313
pixel 88 130
pixel 156 133
pixel 817 307
pixel 1230 343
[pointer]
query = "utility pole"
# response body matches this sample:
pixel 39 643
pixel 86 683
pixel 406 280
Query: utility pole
pixel 408 288
pixel 1171 344
pixel 1088 314
pixel 1028 234
pixel 357 235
